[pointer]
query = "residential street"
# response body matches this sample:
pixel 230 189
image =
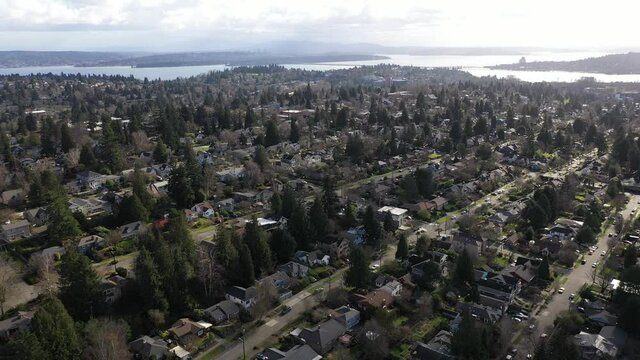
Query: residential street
pixel 578 276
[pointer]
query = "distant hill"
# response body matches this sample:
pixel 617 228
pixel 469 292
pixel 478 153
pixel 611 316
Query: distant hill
pixel 609 64
pixel 13 59
pixel 234 58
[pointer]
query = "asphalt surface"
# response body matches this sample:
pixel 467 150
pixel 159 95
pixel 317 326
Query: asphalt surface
pixel 579 275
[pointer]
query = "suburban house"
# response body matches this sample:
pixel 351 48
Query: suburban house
pixel 398 215
pixel 348 316
pixel 222 312
pixel 496 290
pixel 15 230
pixel 281 281
pixel 438 348
pixel 377 299
pixel 393 287
pixel 312 258
pixel 321 338
pixel 437 203
pixel 88 207
pixel 37 216
pixel 244 297
pixel 185 329
pixel 338 249
pixel 606 344
pixel 180 353
pixel 486 314
pixel 203 209
pixel 561 232
pixel 472 243
pixel 147 348
pixel 112 288
pixel 131 229
pixel 294 269
pixel 226 204
pixel 298 352
pixel 13 197
pixel 90 243
pixel 21 322
pixel 525 269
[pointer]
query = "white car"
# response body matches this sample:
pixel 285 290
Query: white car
pixel 561 290
pixel 603 253
pixel 594 265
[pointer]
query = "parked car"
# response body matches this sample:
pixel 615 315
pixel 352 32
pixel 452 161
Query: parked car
pixel 561 290
pixel 285 310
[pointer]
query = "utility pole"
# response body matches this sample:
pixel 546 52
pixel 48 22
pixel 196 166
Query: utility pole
pixel 244 352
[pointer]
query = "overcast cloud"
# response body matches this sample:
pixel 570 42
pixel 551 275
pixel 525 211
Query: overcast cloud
pixel 231 24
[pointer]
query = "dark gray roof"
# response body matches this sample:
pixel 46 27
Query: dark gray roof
pixel 320 336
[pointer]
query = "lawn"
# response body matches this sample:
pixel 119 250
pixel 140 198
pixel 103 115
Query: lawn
pixel 401 352
pixel 500 261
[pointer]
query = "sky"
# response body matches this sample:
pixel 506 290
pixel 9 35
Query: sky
pixel 179 25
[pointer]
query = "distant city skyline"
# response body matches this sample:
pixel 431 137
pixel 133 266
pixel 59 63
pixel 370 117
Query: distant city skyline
pixel 191 25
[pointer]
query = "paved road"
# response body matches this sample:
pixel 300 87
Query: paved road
pixel 299 303
pixel 578 276
pixel 495 198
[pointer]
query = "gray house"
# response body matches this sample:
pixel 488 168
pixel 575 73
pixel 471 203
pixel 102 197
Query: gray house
pixel 222 312
pixel 323 337
pixel 21 322
pixel 90 243
pixel 146 348
pixel 294 269
pixel 15 230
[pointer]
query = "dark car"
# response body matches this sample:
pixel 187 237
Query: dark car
pixel 285 310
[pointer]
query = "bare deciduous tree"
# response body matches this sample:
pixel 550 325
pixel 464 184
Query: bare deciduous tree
pixel 7 279
pixel 44 266
pixel 210 273
pixel 106 340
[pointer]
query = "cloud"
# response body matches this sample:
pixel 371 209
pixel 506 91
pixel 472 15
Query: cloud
pixel 397 22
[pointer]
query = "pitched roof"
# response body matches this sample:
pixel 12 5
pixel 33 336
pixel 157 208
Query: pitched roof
pixel 320 336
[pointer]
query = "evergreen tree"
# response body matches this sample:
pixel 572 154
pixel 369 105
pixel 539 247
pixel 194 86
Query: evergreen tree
pixel 276 204
pixel 160 152
pixel 330 199
pixel 358 274
pixel 66 140
pixel 56 332
pixel 630 257
pixel 246 275
pixel 388 224
pixel 543 269
pixel 272 136
pixel 289 202
pixel 319 219
pixel 179 188
pixel 463 272
pixel 283 245
pixel 260 157
pixel 402 250
pixel 62 225
pixel 372 228
pixel 255 239
pixel 78 285
pixel 294 135
pixel 139 189
pixel 300 227
pixel 466 340
pixel 132 209
pixel 350 214
pixel 424 182
pixel 87 157
pixel 585 235
pixel 26 346
pixel 149 282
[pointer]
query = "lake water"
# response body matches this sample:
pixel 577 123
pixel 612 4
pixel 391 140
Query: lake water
pixel 473 64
